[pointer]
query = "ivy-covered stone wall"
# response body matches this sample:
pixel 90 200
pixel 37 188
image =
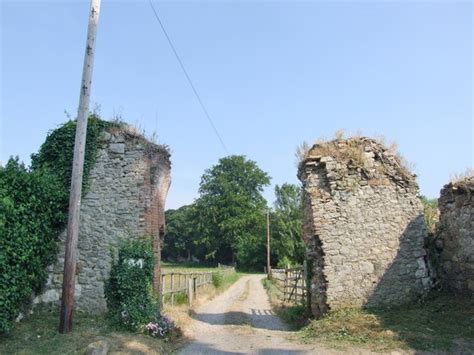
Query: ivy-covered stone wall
pixel 128 184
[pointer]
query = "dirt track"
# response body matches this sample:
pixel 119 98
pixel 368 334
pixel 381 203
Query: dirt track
pixel 241 321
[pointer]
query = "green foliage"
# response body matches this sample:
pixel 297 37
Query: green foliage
pixel 430 212
pixel 181 235
pixel 128 290
pixel 56 152
pixel 31 217
pixel 230 212
pixel 287 226
pixel 217 279
pixel 33 211
pixel 284 263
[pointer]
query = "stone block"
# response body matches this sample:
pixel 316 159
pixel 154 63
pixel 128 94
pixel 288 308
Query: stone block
pixel 118 148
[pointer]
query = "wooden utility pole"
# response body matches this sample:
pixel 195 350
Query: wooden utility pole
pixel 269 269
pixel 69 277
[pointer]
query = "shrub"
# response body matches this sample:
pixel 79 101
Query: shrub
pixel 284 262
pixel 217 279
pixel 31 217
pixel 128 291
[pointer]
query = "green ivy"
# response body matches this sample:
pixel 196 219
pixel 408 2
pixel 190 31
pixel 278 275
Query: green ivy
pixel 33 212
pixel 31 217
pixel 57 151
pixel 128 291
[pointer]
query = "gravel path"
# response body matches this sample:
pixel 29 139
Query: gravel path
pixel 241 321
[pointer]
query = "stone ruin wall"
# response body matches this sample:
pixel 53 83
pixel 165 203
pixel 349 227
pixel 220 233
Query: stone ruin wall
pixel 363 227
pixel 455 236
pixel 128 187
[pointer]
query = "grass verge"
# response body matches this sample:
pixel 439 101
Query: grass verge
pixel 442 322
pixel 38 334
pixel 296 316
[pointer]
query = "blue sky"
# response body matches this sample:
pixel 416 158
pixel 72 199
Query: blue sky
pixel 272 74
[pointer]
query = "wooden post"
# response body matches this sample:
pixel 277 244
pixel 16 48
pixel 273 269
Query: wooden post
pixel 269 270
pixel 172 289
pixel 190 292
pixel 69 276
pixel 157 280
pixel 163 285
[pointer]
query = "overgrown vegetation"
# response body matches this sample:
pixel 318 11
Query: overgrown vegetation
pixel 430 212
pixel 33 211
pixel 217 279
pixel 442 322
pixel 461 177
pixel 131 304
pixel 31 217
pixel 56 152
pixel 354 152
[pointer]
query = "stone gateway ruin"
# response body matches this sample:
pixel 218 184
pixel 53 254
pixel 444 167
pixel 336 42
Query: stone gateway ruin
pixel 363 226
pixel 455 236
pixel 128 187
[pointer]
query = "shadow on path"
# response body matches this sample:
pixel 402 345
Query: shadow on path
pixel 208 349
pixel 259 318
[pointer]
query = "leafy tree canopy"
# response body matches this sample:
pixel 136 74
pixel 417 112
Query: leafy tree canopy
pixel 181 235
pixel 287 225
pixel 230 212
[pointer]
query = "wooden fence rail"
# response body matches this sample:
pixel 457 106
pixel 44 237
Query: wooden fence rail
pixel 175 282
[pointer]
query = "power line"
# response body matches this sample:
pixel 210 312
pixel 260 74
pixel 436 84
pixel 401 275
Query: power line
pixel 206 113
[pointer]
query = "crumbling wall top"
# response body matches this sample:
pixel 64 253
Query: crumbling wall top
pixel 367 157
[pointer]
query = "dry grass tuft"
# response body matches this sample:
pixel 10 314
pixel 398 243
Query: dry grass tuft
pixel 352 150
pixel 462 177
pixel 302 152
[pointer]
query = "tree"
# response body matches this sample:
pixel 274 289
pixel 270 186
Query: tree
pixel 181 236
pixel 230 212
pixel 287 225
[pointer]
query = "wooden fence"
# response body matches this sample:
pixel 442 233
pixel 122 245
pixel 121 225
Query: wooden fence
pixel 292 282
pixel 175 282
